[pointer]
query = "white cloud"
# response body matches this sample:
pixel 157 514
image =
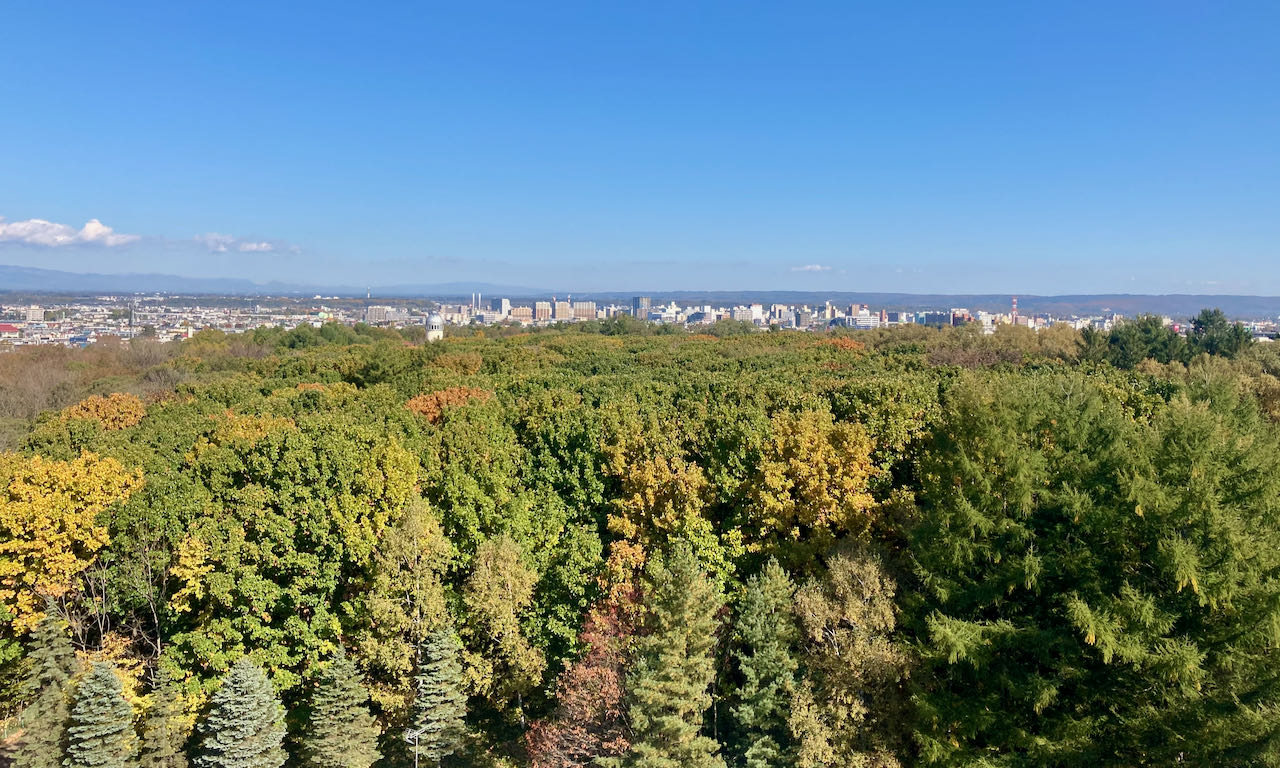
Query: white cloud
pixel 811 268
pixel 219 243
pixel 52 235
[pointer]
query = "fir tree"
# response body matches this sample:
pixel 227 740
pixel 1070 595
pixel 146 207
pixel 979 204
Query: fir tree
pixel 765 636
pixel 53 663
pixel 245 724
pixel 669 688
pixel 101 732
pixel 163 736
pixel 440 706
pixel 340 732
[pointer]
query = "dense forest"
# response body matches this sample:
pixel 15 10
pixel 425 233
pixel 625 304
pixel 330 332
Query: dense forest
pixel 621 545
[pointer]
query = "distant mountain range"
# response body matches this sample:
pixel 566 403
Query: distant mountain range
pixel 35 280
pixel 48 281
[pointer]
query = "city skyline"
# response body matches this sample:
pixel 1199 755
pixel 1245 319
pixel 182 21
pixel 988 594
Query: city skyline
pixel 1025 149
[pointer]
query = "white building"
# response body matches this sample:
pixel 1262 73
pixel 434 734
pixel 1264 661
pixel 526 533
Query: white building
pixel 435 327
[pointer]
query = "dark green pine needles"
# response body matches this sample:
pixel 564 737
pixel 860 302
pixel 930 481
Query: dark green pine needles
pixel 341 733
pixel 101 732
pixel 438 710
pixel 245 724
pixel 163 737
pixel 52 663
pixel 765 637
pixel 675 666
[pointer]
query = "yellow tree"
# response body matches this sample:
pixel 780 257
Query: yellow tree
pixel 812 485
pixel 50 530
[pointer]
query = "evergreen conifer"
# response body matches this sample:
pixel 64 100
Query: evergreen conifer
pixel 101 731
pixel 440 706
pixel 341 733
pixel 52 664
pixel 765 636
pixel 245 724
pixel 163 735
pixel 669 688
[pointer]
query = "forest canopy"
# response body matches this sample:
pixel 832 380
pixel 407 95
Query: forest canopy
pixel 606 545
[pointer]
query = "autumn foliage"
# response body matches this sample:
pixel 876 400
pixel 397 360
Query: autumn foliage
pixel 432 405
pixel 49 526
pixel 118 410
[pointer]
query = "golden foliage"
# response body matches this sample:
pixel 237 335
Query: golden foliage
pixel 49 527
pixel 115 411
pixel 432 405
pixel 232 427
pixel 813 481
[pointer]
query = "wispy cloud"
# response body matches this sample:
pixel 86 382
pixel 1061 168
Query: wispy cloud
pixel 219 243
pixel 50 234
pixel 811 268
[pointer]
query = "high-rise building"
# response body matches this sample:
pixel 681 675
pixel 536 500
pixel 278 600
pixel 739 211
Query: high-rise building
pixel 561 310
pixel 640 306
pixel 584 310
pixel 542 310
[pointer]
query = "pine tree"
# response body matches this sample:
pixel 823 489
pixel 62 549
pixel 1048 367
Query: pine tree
pixel 440 706
pixel 669 688
pixel 44 722
pixel 765 636
pixel 101 732
pixel 163 737
pixel 340 732
pixel 245 724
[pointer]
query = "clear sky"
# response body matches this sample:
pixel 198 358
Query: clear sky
pixel 1021 146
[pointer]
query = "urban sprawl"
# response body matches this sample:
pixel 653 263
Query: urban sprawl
pixel 84 321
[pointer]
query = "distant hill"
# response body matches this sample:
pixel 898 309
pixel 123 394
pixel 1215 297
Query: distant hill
pixel 33 280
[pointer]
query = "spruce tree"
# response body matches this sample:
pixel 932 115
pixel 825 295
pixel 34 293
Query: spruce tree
pixel 44 722
pixel 244 727
pixel 669 688
pixel 765 636
pixel 438 710
pixel 341 733
pixel 163 736
pixel 101 732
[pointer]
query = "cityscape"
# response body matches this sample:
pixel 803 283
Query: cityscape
pixel 83 321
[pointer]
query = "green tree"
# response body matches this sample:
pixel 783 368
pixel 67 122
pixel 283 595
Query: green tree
pixel 669 686
pixel 1098 586
pixel 52 663
pixel 765 636
pixel 101 731
pixel 164 736
pixel 244 727
pixel 341 733
pixel 438 728
pixel 848 710
pixel 1212 333
pixel 501 663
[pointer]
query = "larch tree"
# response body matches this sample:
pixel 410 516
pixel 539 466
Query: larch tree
pixel 101 732
pixel 244 727
pixel 669 685
pixel 438 728
pixel 764 648
pixel 341 733
pixel 52 664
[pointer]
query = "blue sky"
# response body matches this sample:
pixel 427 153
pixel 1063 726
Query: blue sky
pixel 931 146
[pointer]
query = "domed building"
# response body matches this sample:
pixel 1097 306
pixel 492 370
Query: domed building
pixel 435 327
